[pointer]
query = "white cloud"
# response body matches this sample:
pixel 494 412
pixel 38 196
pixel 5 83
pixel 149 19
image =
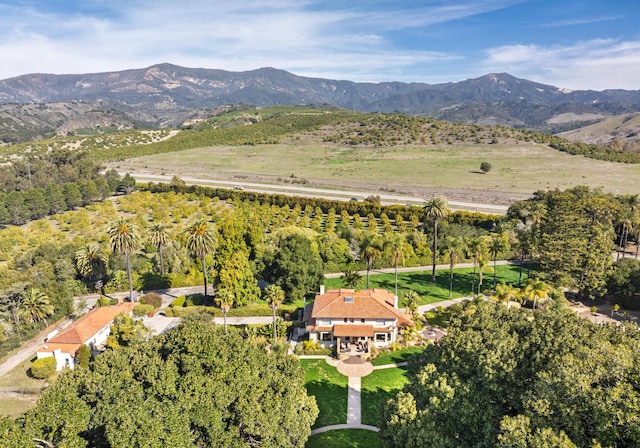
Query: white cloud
pixel 595 64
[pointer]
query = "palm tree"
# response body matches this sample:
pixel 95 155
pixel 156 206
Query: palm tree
pixel 412 299
pixel 91 262
pixel 124 239
pixel 370 248
pixel 158 236
pixel 499 243
pixel 476 247
pixel 504 293
pixel 224 299
pixel 536 289
pixel 201 241
pixel 633 204
pixel 482 263
pixel 455 249
pixel 351 277
pixel 274 296
pixel 35 307
pixel 434 210
pixel 396 242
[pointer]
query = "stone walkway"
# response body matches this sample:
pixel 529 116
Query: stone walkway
pixel 355 368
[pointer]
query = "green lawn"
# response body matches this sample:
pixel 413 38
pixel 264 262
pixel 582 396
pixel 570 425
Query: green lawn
pixel 429 292
pixel 345 438
pixel 377 388
pixel 330 389
pixel 397 356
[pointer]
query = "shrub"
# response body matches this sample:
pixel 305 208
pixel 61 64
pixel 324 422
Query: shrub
pixel 168 311
pixel 83 356
pixel 152 298
pixel 485 167
pixel 142 309
pixel 43 367
pixel 179 302
pixel 194 300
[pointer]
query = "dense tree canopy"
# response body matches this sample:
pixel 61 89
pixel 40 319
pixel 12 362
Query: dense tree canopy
pixel 192 387
pixel 511 378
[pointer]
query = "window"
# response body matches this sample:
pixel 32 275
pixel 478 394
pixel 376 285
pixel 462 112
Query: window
pixel 326 336
pixel 362 320
pixel 381 337
pixel 348 299
pixel 380 322
pixel 345 320
pixel 351 320
pixel 324 322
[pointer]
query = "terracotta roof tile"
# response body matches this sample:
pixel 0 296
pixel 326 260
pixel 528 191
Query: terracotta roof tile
pixel 353 330
pixel 88 325
pixel 366 304
pixel 64 348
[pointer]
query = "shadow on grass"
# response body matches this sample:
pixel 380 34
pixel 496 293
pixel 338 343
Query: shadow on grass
pixel 331 399
pixel 377 389
pixel 345 438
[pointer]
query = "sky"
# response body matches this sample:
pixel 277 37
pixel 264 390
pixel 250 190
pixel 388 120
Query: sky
pixel 572 44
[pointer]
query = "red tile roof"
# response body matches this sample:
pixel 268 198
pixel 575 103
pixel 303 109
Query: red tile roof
pixel 366 304
pixel 88 325
pixel 353 330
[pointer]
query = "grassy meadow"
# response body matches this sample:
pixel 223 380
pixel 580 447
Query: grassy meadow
pixel 518 169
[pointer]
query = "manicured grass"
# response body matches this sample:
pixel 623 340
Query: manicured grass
pixel 420 281
pixel 377 388
pixel 345 438
pixel 397 356
pixel 330 389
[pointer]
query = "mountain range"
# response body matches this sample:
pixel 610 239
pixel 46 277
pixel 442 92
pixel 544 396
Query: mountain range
pixel 166 95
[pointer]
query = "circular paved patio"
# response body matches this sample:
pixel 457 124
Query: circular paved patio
pixel 354 366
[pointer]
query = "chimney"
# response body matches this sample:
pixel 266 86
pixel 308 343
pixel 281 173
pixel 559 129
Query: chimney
pixel 321 289
pixel 395 302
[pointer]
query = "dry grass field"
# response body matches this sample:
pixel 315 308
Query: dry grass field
pixel 518 169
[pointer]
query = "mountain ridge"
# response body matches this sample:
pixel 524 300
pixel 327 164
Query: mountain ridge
pixel 164 94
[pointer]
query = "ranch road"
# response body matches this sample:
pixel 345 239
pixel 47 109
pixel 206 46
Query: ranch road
pixel 342 195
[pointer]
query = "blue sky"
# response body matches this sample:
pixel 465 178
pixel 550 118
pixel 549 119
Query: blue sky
pixel 574 44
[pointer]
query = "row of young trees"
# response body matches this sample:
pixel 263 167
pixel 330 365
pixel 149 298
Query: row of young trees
pixel 37 186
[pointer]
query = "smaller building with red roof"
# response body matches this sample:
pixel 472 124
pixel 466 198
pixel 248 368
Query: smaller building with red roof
pixel 344 316
pixel 91 329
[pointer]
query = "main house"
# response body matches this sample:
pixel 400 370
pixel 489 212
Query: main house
pixel 344 317
pixel 91 329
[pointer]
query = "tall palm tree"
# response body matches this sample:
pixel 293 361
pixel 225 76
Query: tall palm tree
pixel 632 204
pixel 91 262
pixel 201 241
pixel 370 249
pixel 536 289
pixel 434 210
pixel 274 296
pixel 476 247
pixel 455 249
pixel 499 244
pixel 125 239
pixel 158 236
pixel 395 242
pixel 224 299
pixel 35 307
